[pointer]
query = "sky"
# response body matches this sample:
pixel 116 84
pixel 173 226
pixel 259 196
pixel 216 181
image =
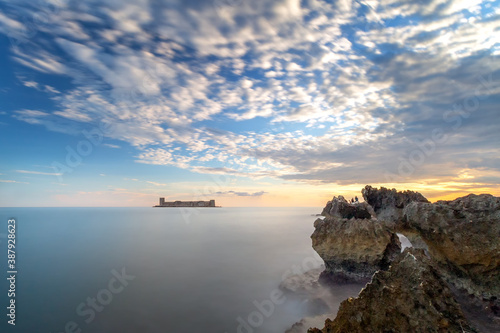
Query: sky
pixel 250 103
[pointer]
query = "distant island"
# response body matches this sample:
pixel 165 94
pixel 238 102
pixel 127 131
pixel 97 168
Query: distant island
pixel 163 203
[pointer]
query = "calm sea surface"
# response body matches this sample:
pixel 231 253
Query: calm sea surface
pixel 156 269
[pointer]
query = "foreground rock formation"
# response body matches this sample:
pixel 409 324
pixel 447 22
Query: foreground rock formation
pixel 340 208
pixel 388 204
pixel 409 297
pixel 463 236
pixel 352 245
pixel 452 284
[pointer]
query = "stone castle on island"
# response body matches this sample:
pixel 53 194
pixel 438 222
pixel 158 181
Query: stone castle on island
pixel 163 203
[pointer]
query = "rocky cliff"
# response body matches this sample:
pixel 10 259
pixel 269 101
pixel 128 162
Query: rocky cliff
pixel 340 208
pixel 459 261
pixel 463 236
pixel 352 245
pixel 409 297
pixel 388 204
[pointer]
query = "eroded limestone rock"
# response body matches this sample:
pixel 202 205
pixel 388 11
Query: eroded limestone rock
pixel 340 208
pixel 353 249
pixel 388 204
pixel 409 297
pixel 461 239
pixel 462 235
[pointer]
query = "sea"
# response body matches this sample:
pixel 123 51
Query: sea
pixel 152 270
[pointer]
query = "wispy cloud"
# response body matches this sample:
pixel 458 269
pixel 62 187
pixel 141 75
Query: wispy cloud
pixel 37 86
pixel 156 184
pixel 109 145
pixel 241 194
pixel 11 181
pixel 39 173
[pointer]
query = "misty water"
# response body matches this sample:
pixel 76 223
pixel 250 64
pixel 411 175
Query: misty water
pixel 159 269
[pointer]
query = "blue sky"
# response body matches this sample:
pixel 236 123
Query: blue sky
pixel 284 102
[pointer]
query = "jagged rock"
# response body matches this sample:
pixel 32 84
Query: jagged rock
pixel 409 297
pixel 303 325
pixel 339 207
pixel 388 204
pixel 461 238
pixel 353 249
pixel 463 235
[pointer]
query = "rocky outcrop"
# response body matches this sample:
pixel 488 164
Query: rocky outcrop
pixel 352 248
pixel 340 208
pixel 463 236
pixel 455 275
pixel 389 204
pixel 409 297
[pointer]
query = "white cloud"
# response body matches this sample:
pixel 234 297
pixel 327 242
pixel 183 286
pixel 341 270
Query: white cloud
pixel 10 26
pixel 31 116
pixel 31 84
pixel 39 173
pixel 51 89
pixel 130 16
pixel 240 193
pixel 109 145
pixel 156 184
pixel 11 181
